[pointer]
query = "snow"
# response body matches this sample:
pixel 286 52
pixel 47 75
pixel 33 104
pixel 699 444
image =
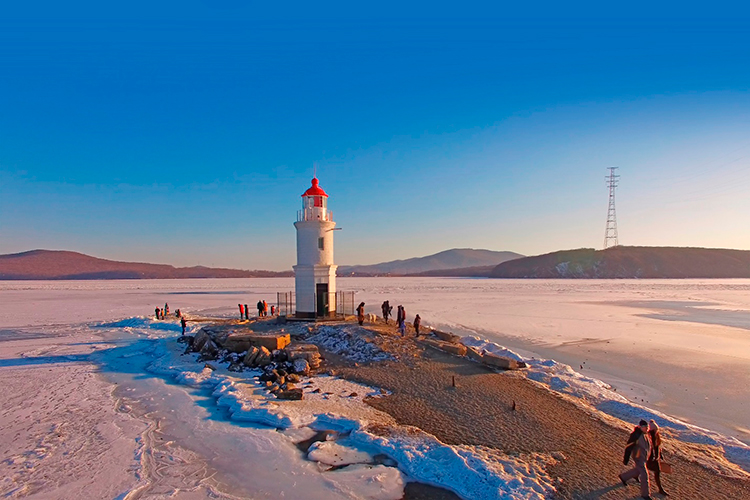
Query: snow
pixel 348 342
pixel 96 352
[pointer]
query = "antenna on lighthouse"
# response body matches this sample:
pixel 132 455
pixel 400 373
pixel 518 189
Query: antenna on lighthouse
pixel 315 169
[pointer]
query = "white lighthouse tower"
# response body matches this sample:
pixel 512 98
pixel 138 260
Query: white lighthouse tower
pixel 315 272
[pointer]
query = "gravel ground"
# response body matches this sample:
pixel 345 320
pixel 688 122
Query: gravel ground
pixel 479 411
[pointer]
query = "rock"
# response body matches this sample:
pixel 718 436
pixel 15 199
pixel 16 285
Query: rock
pixel 292 377
pixel 186 339
pixel 200 340
pixel 249 359
pixel 353 395
pixel 301 366
pixel 236 367
pixel 281 380
pixel 457 349
pixel 264 357
pixel 210 367
pixel 446 337
pixel 242 341
pixel 210 350
pixel 496 361
pixel 292 394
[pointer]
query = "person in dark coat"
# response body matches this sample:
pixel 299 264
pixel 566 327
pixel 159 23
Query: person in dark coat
pixel 654 460
pixel 166 310
pixel 260 308
pixel 247 312
pixel 640 449
pixel 183 322
pixel 417 322
pixel 386 308
pixel 361 313
pixel 157 312
pixel 401 320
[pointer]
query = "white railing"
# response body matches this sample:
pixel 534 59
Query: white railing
pixel 307 214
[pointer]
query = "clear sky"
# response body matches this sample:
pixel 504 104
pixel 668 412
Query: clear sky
pixel 185 134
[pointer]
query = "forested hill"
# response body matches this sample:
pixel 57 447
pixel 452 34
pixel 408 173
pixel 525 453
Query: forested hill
pixel 630 262
pixel 61 265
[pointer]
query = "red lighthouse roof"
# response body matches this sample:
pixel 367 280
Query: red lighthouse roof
pixel 315 190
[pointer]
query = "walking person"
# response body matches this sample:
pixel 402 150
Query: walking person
pixel 242 312
pixel 260 308
pixel 183 322
pixel 386 308
pixel 361 313
pixel 654 459
pixel 247 312
pixel 639 445
pixel 417 322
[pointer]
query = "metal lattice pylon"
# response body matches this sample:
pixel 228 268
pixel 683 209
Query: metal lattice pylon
pixel 610 235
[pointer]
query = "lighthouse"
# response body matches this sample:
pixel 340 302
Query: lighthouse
pixel 315 272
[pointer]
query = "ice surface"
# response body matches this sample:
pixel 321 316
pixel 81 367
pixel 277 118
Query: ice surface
pixel 632 334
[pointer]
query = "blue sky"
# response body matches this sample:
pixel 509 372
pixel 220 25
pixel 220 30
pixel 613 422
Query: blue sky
pixel 186 135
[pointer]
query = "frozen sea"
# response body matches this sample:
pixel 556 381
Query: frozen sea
pixel 678 348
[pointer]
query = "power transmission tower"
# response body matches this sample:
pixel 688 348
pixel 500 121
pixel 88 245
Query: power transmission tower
pixel 610 235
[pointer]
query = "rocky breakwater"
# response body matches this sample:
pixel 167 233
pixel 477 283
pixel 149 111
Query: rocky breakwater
pixel 281 362
pixel 448 342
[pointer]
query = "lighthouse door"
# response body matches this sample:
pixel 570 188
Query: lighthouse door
pixel 321 290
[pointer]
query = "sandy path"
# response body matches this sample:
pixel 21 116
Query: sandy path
pixel 479 412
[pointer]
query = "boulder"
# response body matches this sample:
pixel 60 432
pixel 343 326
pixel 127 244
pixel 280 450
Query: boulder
pixel 263 358
pixel 449 347
pixel 301 366
pixel 292 394
pixel 251 355
pixel 242 341
pixel 447 337
pixel 210 350
pixel 200 340
pixel 292 378
pixel 496 361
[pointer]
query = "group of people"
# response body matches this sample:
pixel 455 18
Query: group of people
pixel 262 307
pixel 163 312
pixel 387 310
pixel 644 447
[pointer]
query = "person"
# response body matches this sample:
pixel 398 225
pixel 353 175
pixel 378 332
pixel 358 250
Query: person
pixel 386 308
pixel 417 322
pixel 156 313
pixel 402 320
pixel 161 313
pixel 247 312
pixel 265 308
pixel 178 313
pixel 260 308
pixel 273 310
pixel 183 322
pixel 639 444
pixel 166 310
pixel 242 311
pixel 654 459
pixel 361 313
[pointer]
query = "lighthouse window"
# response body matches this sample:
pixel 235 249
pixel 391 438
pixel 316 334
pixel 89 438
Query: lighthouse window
pixel 318 201
pixel 320 243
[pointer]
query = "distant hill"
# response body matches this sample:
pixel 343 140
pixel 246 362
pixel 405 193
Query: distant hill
pixel 63 265
pixel 450 259
pixel 461 272
pixel 630 262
